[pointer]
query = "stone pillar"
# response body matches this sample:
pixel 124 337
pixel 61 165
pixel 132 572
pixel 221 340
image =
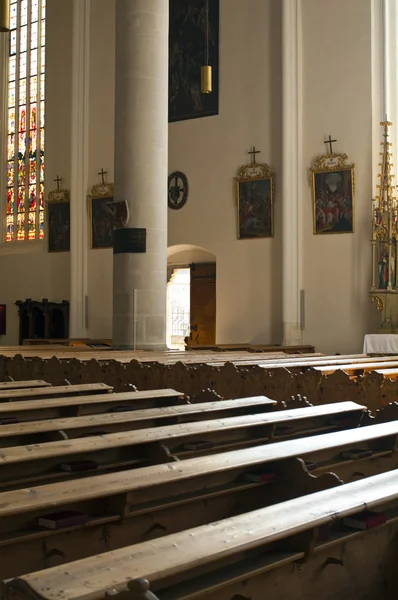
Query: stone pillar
pixel 79 170
pixel 141 152
pixel 293 172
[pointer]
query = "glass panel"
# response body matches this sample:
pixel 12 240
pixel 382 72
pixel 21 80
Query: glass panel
pixel 10 173
pixel 32 197
pixel 32 226
pixel 11 147
pixel 22 91
pixel 43 9
pixel 21 199
pixel 21 227
pixel 42 115
pixel 32 157
pixel 42 87
pixel 35 10
pixel 23 39
pixel 10 201
pixel 22 65
pixel 24 12
pixel 13 16
pixel 33 62
pixel 13 42
pixel 10 228
pixel 33 89
pixel 12 65
pixel 41 196
pixel 22 119
pixel 34 38
pixel 11 94
pixel 43 59
pixel 41 224
pixel 33 111
pixel 11 120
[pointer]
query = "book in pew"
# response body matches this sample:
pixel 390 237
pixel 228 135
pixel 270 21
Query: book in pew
pixel 65 518
pixel 365 520
pixel 265 477
pixel 355 453
pixel 199 445
pixel 79 465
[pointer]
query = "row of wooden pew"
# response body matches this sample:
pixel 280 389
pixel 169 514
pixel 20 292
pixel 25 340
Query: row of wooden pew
pixel 193 500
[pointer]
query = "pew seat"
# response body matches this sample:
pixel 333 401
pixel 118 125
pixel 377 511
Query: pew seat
pixel 58 460
pixel 51 429
pixel 73 406
pixel 20 385
pixel 57 391
pixel 201 562
pixel 139 504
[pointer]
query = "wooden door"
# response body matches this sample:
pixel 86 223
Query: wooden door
pixel 203 304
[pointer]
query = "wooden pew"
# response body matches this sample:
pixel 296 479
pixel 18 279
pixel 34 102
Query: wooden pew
pixel 154 501
pixel 57 391
pixel 356 368
pixel 302 548
pixel 19 385
pixel 32 432
pixel 53 408
pixel 55 461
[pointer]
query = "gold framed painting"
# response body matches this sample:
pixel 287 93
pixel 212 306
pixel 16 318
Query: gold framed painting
pixel 255 201
pixel 58 221
pixel 101 215
pixel 333 193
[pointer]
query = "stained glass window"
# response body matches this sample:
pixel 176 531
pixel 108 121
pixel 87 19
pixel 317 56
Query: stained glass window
pixel 26 110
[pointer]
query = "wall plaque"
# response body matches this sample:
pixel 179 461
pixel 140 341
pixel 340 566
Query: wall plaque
pixel 129 241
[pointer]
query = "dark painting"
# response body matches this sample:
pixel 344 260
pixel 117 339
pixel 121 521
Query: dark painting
pixel 255 218
pixel 101 223
pixel 2 319
pixel 333 202
pixel 187 54
pixel 58 214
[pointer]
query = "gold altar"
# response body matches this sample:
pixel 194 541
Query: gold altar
pixel 384 290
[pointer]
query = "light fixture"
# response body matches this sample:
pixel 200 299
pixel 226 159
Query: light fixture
pixel 4 16
pixel 206 70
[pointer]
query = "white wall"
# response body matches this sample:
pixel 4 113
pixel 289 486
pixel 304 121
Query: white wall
pixel 337 101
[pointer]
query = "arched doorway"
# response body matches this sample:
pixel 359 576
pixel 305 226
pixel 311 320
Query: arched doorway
pixel 191 297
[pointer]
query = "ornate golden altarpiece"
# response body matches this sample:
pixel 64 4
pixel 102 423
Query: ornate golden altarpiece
pixel 384 289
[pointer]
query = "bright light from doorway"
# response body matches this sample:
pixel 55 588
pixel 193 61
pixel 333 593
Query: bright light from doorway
pixel 178 308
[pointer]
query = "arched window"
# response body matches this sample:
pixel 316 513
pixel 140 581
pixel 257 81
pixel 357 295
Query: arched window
pixel 25 141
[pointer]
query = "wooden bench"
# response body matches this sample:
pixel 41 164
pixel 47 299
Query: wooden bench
pixel 54 392
pixel 356 368
pixel 53 408
pixel 58 460
pixel 139 504
pixel 19 385
pixel 49 430
pixel 254 553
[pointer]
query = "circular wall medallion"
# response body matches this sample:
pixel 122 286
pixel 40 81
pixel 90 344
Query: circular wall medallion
pixel 177 190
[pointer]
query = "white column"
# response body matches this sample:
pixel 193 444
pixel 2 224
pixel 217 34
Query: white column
pixel 292 179
pixel 141 151
pixel 79 169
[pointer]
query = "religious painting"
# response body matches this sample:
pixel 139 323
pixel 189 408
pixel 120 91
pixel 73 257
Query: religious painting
pixel 255 191
pixel 333 194
pixel 386 259
pixel 58 221
pixel 193 43
pixel 101 215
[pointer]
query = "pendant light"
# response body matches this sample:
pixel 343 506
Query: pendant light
pixel 206 70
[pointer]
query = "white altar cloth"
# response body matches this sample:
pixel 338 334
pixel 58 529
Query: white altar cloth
pixel 380 343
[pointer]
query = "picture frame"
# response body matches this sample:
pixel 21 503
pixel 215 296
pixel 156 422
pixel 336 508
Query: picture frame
pixel 58 221
pixel 187 54
pixel 333 194
pixel 101 216
pixel 255 201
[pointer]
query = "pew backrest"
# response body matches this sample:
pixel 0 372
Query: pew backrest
pixel 19 385
pixel 181 554
pixel 55 391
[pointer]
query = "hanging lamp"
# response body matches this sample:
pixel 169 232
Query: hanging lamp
pixel 206 70
pixel 4 16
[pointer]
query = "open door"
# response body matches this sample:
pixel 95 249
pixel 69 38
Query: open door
pixel 203 304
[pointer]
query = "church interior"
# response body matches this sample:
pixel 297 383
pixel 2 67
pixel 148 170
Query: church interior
pixel 199 300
